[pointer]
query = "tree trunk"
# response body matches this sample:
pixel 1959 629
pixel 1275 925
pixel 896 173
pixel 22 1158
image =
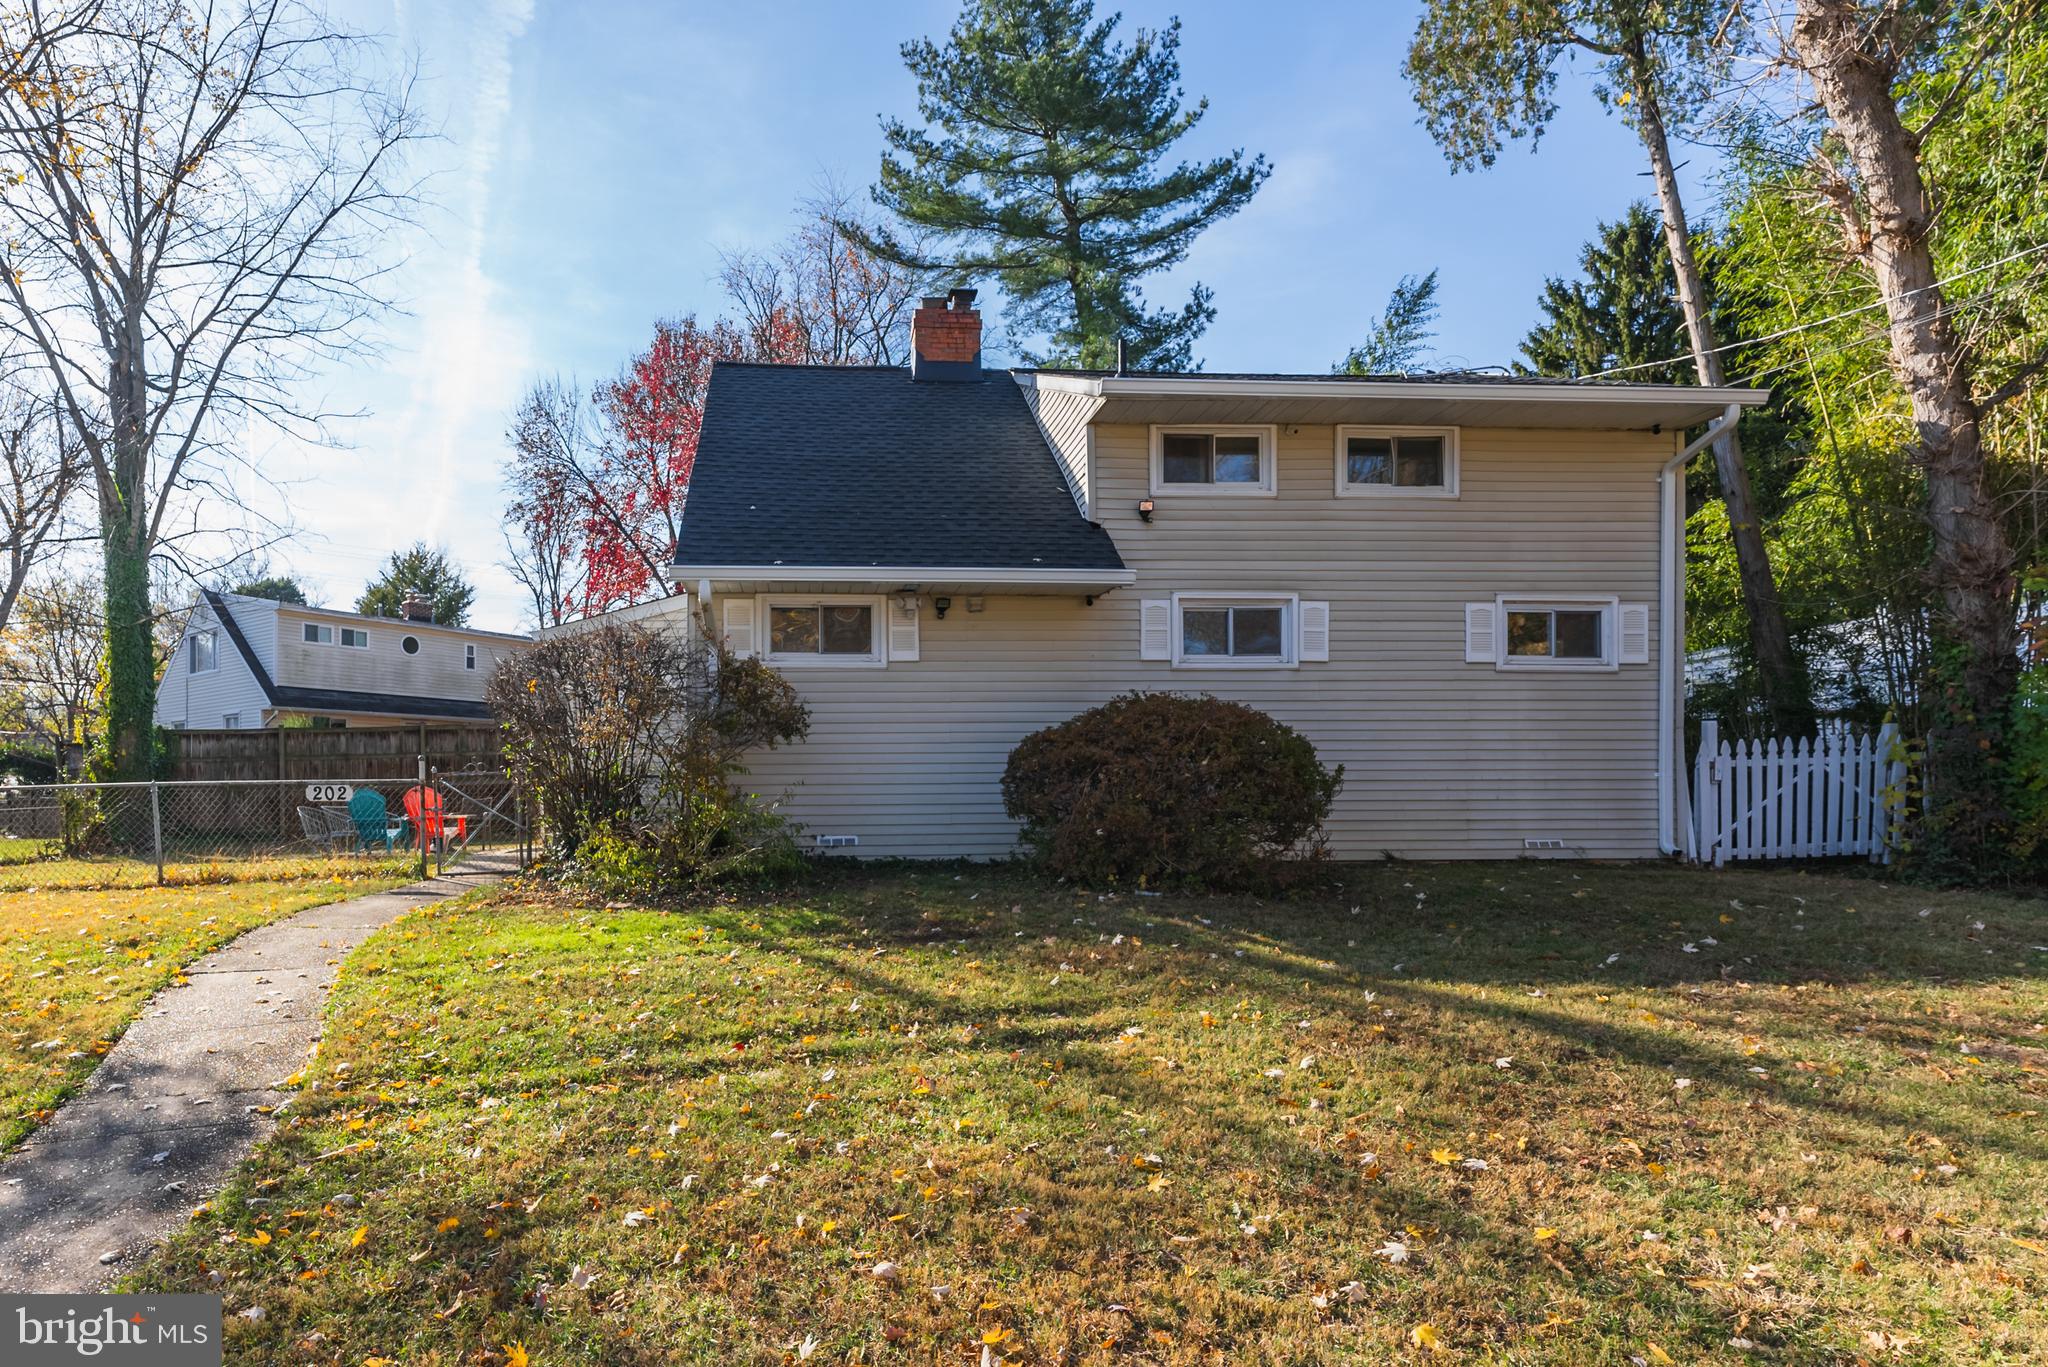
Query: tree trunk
pixel 1783 682
pixel 129 666
pixel 1976 632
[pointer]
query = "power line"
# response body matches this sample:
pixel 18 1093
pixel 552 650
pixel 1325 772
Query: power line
pixel 1823 322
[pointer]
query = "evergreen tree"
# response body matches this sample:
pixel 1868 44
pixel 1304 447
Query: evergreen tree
pixel 282 588
pixel 426 572
pixel 1041 166
pixel 1399 338
pixel 1623 314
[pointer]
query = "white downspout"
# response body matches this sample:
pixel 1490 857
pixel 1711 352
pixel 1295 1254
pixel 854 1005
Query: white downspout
pixel 1671 627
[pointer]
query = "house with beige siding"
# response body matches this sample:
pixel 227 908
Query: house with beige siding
pixel 1465 589
pixel 245 662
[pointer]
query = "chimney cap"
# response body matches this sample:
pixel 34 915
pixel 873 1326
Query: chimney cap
pixel 961 297
pixel 932 301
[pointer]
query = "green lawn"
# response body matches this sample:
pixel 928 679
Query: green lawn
pixel 83 944
pixel 1529 1113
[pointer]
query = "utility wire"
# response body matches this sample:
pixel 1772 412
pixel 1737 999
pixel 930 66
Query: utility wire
pixel 1822 322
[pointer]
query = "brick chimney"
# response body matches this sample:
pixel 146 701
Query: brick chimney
pixel 415 608
pixel 945 338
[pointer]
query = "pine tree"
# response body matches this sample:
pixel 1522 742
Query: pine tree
pixel 1624 314
pixel 1399 338
pixel 426 572
pixel 1040 166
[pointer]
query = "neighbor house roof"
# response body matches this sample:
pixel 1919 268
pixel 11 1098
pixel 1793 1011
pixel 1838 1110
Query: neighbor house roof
pixel 860 467
pixel 335 699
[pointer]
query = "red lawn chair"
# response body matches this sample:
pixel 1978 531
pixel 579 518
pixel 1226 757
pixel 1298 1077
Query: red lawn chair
pixel 423 810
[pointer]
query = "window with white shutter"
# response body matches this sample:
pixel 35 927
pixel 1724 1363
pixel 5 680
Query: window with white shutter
pixel 738 618
pixel 1155 629
pixel 1239 631
pixel 1315 631
pixel 1480 646
pixel 1567 632
pixel 903 628
pixel 1635 633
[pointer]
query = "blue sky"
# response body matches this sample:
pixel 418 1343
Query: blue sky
pixel 595 157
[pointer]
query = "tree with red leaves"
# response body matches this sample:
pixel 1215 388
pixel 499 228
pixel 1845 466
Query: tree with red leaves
pixel 598 481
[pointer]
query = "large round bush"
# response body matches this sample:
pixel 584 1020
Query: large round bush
pixel 1166 788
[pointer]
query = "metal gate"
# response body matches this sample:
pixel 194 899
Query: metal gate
pixel 481 809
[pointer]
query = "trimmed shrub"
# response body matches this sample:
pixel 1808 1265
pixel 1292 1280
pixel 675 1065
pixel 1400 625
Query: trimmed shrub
pixel 1163 788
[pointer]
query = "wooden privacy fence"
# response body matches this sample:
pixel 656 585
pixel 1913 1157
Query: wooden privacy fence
pixel 379 752
pixel 1836 794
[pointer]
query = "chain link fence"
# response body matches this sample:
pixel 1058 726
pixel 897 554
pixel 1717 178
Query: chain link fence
pixel 179 828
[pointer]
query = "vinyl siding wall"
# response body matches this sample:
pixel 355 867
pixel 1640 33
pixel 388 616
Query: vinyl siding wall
pixel 1063 417
pixel 437 671
pixel 202 701
pixel 1443 759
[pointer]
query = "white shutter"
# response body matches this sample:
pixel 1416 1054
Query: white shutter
pixel 1480 646
pixel 1155 629
pixel 1315 631
pixel 903 628
pixel 1635 633
pixel 739 625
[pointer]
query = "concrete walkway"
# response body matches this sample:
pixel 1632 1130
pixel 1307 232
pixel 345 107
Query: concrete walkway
pixel 173 1106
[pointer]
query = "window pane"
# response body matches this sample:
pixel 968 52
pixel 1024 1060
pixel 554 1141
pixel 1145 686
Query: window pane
pixel 849 630
pixel 1205 631
pixel 201 658
pixel 1185 458
pixel 1578 635
pixel 792 631
pixel 1237 460
pixel 1528 633
pixel 1368 460
pixel 1421 464
pixel 1256 631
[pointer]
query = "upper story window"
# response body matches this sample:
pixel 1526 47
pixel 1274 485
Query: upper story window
pixel 469 657
pixel 204 657
pixel 355 636
pixel 318 635
pixel 1397 460
pixel 409 644
pixel 824 631
pixel 1212 460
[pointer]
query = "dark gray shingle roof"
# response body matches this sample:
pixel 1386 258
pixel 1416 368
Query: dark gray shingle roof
pixel 851 466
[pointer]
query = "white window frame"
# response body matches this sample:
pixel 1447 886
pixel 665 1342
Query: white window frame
pixel 1269 460
pixel 231 722
pixel 1609 606
pixel 1346 489
pixel 361 641
pixel 878 626
pixel 212 638
pixel 1290 630
pixel 316 634
pixel 469 657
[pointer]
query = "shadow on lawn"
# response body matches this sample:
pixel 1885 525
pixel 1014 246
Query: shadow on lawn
pixel 1385 1204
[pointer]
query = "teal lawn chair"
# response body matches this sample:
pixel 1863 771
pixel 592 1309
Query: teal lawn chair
pixel 373 827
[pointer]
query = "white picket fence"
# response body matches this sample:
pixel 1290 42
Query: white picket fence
pixel 1838 794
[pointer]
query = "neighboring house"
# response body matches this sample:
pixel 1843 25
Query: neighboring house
pixel 1464 589
pixel 252 662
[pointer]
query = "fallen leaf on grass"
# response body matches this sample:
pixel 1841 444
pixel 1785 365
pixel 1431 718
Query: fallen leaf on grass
pixel 1426 1336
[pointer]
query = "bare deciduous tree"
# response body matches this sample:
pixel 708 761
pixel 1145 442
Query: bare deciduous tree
pixel 50 657
pixel 846 305
pixel 194 226
pixel 41 465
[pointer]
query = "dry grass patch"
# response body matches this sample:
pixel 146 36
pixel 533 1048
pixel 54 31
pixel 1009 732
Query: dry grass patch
pixel 76 964
pixel 1533 1113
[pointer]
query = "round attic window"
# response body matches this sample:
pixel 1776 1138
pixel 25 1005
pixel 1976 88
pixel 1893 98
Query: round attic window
pixel 410 645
